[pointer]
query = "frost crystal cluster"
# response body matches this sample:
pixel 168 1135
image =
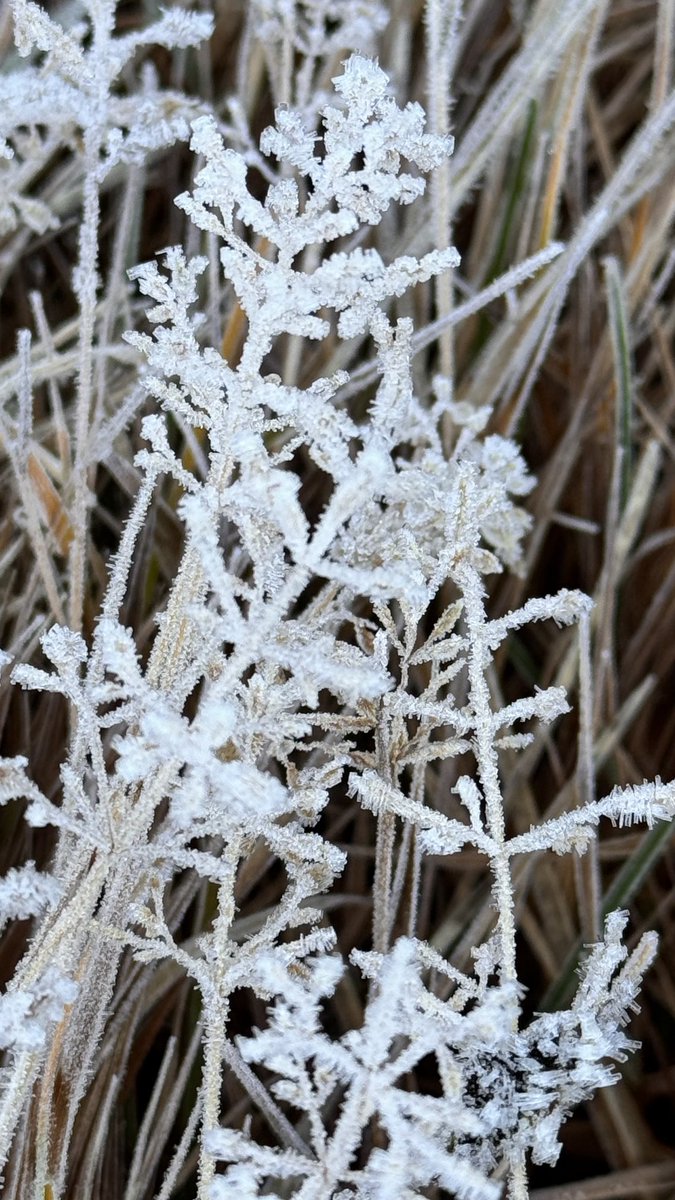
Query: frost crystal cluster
pixel 306 650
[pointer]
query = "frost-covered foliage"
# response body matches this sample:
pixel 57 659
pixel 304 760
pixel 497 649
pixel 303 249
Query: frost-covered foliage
pixel 504 1091
pixel 73 91
pixel 299 651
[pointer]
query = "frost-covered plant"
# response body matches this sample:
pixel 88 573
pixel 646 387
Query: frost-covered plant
pixel 504 1090
pixel 299 650
pixel 73 99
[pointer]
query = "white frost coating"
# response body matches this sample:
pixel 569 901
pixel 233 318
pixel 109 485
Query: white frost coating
pixel 282 665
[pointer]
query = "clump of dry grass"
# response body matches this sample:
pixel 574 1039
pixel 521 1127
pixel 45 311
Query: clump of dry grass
pixel 563 116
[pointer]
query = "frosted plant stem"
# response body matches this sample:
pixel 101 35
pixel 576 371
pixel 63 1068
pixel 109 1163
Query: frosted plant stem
pixel 356 1113
pixel 172 645
pixel 212 1077
pixel 486 756
pixel 215 1018
pixel 62 943
pixel 86 287
pixel 259 1094
pixel 442 22
pixel 24 1071
pixel 587 869
pixel 63 935
pixel 44 1112
pixel 117 282
pixel 150 1120
pixel 121 568
pixel 384 850
pixel 20 460
pixel 181 1152
pixel 518 1188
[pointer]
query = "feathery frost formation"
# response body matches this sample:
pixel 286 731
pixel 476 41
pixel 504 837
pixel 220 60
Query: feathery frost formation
pixel 288 658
